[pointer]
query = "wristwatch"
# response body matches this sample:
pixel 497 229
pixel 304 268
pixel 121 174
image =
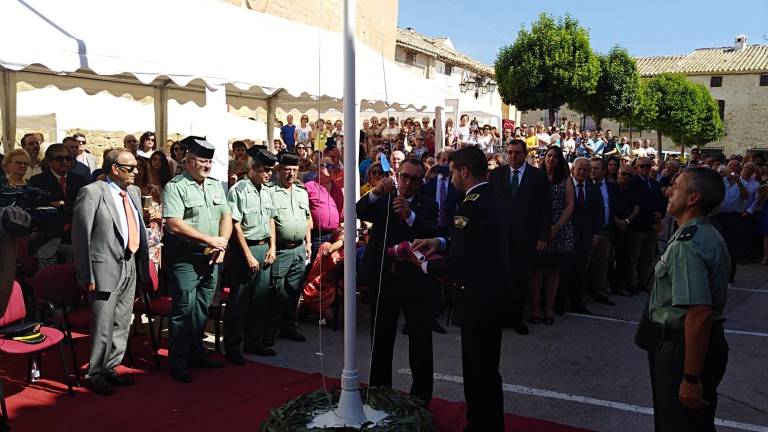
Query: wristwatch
pixel 693 379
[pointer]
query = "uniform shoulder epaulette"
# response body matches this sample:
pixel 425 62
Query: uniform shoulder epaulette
pixel 688 233
pixel 299 183
pixel 177 179
pixel 471 197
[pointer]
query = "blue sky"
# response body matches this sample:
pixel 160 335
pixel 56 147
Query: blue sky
pixel 646 27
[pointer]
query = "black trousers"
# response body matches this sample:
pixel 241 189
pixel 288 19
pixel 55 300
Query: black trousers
pixel 480 357
pixel 408 289
pixel 572 277
pixel 732 229
pixel 667 374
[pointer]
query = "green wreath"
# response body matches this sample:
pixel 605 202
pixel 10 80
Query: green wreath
pixel 405 414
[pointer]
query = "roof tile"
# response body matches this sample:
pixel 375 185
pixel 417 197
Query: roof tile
pixel 751 59
pixel 435 46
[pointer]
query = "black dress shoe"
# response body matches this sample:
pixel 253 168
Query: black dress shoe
pixel 182 376
pixel 205 363
pixel 604 300
pixel 119 380
pixel 100 386
pixel 437 328
pixel 292 335
pixel 520 328
pixel 534 320
pixel 267 340
pixel 259 350
pixel 581 310
pixel 236 359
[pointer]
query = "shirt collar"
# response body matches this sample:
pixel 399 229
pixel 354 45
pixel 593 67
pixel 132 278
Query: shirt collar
pixel 475 187
pixel 520 170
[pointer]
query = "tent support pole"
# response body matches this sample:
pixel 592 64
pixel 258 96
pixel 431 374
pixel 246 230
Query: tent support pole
pixel 270 123
pixel 8 108
pixel 161 116
pixel 439 128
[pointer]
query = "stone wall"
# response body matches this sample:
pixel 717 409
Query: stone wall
pixel 745 117
pixel 376 19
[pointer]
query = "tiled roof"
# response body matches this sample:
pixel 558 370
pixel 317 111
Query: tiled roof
pixel 434 46
pixel 750 59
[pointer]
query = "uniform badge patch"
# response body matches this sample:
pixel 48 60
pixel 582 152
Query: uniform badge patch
pixel 460 222
pixel 688 233
pixel 471 197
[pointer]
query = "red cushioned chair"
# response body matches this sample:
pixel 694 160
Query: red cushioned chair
pixel 16 311
pixel 57 286
pixel 153 303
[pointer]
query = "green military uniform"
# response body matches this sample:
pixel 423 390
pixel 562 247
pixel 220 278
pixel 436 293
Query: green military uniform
pixel 192 280
pixel 289 269
pixel 694 270
pixel 248 306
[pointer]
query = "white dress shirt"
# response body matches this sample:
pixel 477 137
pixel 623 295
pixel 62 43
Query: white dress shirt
pixel 606 202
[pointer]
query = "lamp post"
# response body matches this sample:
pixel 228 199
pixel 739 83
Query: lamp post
pixel 478 84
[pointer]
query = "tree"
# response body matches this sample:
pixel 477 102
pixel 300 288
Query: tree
pixel 615 94
pixel 681 110
pixel 549 66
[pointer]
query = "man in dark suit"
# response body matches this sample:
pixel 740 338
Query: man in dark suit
pixel 63 185
pixel 525 191
pixel 587 223
pixel 109 241
pixel 478 258
pixel 442 190
pixel 643 237
pixel 599 260
pixel 398 215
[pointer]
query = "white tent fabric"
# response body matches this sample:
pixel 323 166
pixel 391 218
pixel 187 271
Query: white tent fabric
pixel 202 40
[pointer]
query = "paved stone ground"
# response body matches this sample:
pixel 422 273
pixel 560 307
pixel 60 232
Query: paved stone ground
pixel 583 371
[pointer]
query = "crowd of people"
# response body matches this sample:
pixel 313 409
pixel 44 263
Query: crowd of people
pixel 585 212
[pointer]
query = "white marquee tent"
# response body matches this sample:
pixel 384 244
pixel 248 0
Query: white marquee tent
pixel 187 50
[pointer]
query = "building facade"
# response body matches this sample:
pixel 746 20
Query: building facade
pixel 736 76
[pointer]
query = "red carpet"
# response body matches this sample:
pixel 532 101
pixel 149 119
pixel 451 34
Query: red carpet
pixel 229 399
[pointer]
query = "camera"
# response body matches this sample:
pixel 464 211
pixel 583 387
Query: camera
pixel 35 202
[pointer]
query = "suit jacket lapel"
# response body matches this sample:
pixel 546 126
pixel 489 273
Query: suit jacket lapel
pixel 111 208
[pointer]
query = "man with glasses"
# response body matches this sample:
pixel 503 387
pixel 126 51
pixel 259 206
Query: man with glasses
pixel 83 155
pixel 55 245
pixel 30 142
pixel 78 167
pixel 197 230
pixel 643 235
pixel 293 228
pixel 399 214
pixel 252 252
pixel 108 265
pixel 131 144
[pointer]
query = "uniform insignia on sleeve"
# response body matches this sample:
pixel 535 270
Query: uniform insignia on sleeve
pixel 460 222
pixel 471 197
pixel 688 233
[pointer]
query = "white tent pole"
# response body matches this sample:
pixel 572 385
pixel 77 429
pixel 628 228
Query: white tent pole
pixel 270 122
pixel 439 128
pixel 8 108
pixel 160 97
pixel 350 405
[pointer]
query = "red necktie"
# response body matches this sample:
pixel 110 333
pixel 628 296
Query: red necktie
pixel 133 228
pixel 63 184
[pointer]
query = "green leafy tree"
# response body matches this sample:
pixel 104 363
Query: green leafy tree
pixel 680 109
pixel 616 91
pixel 548 66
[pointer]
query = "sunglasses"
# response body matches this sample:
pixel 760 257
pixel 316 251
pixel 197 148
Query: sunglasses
pixel 129 168
pixel 81 141
pixel 407 177
pixel 63 158
pixel 330 167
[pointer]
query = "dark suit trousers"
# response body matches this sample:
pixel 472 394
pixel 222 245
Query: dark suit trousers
pixel 480 357
pixel 732 228
pixel 111 321
pixel 572 279
pixel 409 290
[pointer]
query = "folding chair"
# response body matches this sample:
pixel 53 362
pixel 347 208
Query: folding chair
pixel 152 303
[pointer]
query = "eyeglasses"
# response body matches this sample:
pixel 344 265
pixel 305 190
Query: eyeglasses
pixel 376 173
pixel 81 141
pixel 63 158
pixel 407 177
pixel 330 167
pixel 127 167
pixel 203 162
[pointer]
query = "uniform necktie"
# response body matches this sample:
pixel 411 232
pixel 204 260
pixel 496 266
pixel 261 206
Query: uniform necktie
pixel 515 182
pixel 133 228
pixel 63 184
pixel 442 194
pixel 580 195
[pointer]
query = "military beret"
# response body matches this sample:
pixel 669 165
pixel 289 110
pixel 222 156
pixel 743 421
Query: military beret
pixel 198 146
pixel 289 159
pixel 265 157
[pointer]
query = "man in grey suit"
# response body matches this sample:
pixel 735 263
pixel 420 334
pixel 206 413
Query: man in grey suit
pixel 110 248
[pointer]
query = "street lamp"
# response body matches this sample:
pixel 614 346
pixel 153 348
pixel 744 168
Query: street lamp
pixel 477 84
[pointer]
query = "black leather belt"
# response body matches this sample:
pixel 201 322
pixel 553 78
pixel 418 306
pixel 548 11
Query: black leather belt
pixel 289 245
pixel 678 334
pixel 257 242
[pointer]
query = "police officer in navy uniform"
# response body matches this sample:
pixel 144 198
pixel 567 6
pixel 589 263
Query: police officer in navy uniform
pixel 478 257
pixel 197 230
pixel 686 308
